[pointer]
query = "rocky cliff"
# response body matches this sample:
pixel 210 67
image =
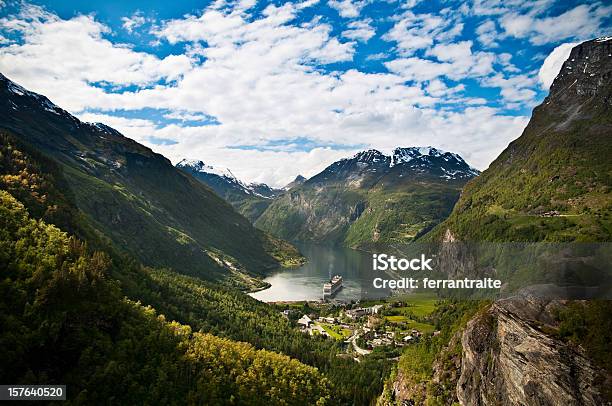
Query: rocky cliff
pixel 508 358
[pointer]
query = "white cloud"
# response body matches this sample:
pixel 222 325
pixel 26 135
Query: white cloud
pixel 359 31
pixel 413 32
pixel 516 90
pixel 455 61
pixel 505 59
pixel 581 22
pixel 44 62
pixel 553 63
pixel 348 8
pixel 487 33
pixel 500 7
pixel 452 52
pixel 378 56
pixel 232 36
pixel 186 116
pixel 135 21
pixel 437 88
pixel 262 81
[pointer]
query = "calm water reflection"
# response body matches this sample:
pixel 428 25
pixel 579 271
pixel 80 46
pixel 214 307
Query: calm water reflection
pixel 306 282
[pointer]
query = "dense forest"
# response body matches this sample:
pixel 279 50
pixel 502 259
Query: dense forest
pixel 65 321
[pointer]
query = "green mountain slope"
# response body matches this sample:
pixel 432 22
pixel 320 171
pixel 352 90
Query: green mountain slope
pixel 135 198
pixel 553 183
pixel 371 198
pixel 63 320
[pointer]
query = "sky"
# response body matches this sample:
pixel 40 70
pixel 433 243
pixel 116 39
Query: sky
pixel 273 89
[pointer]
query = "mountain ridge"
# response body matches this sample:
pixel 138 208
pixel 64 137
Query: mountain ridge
pixel 256 189
pixel 370 198
pixel 250 200
pixel 135 197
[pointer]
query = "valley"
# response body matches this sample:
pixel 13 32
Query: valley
pixel 125 277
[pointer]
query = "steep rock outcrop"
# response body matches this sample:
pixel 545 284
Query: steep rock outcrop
pixel 508 359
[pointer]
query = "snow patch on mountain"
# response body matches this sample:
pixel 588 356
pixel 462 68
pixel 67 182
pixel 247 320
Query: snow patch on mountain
pixel 435 161
pixel 16 89
pixel 429 157
pixel 255 189
pixel 200 166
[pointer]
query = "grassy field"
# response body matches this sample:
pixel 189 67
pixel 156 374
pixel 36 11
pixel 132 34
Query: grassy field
pixel 416 305
pixel 336 332
pixel 409 324
pixel 414 312
pixel 422 327
pixel 397 319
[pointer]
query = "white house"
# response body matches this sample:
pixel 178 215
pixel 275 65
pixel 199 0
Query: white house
pixel 305 321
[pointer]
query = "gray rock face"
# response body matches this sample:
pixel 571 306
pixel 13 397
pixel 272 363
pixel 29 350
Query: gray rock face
pixel 508 360
pixel 586 73
pixel 295 183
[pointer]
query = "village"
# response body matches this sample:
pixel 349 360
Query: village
pixel 364 327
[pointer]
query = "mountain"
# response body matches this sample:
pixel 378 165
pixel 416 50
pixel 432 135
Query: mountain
pixel 553 183
pixel 65 320
pixel 249 200
pixel 65 267
pixel 371 198
pixel 135 199
pixel 295 182
pixel 33 184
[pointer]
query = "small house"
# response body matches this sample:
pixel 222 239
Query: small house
pixel 305 321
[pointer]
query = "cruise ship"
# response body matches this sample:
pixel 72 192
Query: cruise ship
pixel 332 287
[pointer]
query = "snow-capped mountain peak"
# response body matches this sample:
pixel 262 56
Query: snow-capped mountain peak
pixel 218 177
pixel 416 160
pixel 20 96
pixel 199 166
pixel 402 155
pixel 406 155
pixel 371 155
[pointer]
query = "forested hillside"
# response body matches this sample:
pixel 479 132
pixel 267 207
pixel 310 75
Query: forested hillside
pixel 39 183
pixel 553 183
pixel 64 320
pixel 135 199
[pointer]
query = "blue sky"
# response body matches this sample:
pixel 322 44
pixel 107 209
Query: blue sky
pixel 273 89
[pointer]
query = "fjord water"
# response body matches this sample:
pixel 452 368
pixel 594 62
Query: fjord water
pixel 324 261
